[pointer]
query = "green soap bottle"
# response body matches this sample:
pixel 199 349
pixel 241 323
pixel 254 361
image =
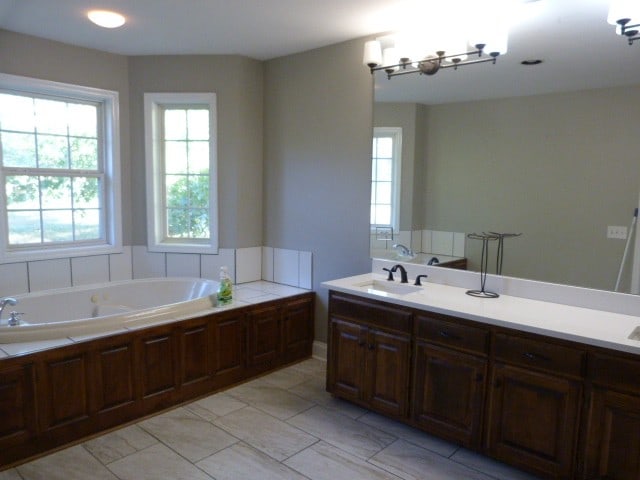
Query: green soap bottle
pixel 225 288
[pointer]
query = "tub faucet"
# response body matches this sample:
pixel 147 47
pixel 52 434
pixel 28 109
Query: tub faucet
pixel 404 250
pixel 403 273
pixel 7 301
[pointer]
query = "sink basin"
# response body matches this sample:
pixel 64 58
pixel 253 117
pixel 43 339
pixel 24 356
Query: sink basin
pixel 384 287
pixel 635 335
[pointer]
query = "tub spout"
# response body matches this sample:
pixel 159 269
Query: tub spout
pixel 7 301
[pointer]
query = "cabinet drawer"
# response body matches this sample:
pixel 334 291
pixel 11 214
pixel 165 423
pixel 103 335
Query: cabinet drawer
pixel 539 354
pixel 616 372
pixel 370 312
pixel 452 334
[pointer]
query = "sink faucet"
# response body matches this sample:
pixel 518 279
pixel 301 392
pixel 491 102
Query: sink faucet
pixel 405 251
pixel 7 301
pixel 403 273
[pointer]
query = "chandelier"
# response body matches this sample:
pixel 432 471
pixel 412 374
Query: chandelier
pixel 625 15
pixel 428 48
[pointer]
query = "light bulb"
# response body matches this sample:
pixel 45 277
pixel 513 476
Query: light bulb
pixel 106 19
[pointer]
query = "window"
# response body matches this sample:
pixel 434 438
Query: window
pixel 385 177
pixel 181 172
pixel 59 170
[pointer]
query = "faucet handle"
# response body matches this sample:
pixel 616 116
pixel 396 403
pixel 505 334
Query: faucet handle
pixel 417 282
pixel 390 277
pixel 15 318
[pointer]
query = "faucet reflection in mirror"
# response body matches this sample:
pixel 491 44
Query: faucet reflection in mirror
pixel 431 44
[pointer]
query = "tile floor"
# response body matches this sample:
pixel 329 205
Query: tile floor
pixel 280 426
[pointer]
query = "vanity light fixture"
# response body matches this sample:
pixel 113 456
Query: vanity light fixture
pixel 106 18
pixel 625 15
pixel 427 47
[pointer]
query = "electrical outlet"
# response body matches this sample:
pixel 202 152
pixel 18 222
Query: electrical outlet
pixel 617 232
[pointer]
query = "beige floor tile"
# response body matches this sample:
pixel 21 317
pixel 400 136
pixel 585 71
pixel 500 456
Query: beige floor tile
pixel 11 474
pixel 188 434
pixel 272 400
pixel 215 406
pixel 157 462
pixel 326 462
pixel 265 433
pixel 311 366
pixel 345 433
pixel 286 378
pixel 411 462
pixel 410 434
pixel 489 466
pixel 240 461
pixel 314 391
pixel 120 443
pixel 73 463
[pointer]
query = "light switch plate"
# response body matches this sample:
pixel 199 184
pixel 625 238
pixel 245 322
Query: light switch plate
pixel 617 232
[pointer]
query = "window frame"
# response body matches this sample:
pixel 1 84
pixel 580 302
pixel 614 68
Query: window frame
pixel 154 104
pixel 396 134
pixel 109 153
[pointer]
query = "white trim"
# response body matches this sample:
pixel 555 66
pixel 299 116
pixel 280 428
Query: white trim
pixel 635 266
pixel 110 124
pixel 153 102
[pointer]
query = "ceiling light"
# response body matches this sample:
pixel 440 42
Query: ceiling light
pixel 106 19
pixel 625 14
pixel 425 49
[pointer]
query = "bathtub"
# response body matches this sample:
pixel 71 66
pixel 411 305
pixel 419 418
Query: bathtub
pixel 103 308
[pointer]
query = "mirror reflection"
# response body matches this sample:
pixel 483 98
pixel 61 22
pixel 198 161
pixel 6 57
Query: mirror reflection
pixel 542 143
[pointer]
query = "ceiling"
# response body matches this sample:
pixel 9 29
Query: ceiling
pixel 578 48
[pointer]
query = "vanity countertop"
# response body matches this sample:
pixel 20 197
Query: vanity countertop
pixel 593 327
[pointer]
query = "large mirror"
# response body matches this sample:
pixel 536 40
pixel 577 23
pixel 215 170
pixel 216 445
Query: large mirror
pixel 550 151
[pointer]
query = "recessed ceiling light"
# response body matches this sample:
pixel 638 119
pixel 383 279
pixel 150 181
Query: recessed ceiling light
pixel 106 18
pixel 534 61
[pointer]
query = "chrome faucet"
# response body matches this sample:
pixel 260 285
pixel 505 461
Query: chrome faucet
pixel 404 251
pixel 7 301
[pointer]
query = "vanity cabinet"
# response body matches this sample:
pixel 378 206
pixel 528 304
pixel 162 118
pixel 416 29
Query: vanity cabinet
pixel 449 372
pixel 612 436
pixel 369 354
pixel 534 404
pixel 556 408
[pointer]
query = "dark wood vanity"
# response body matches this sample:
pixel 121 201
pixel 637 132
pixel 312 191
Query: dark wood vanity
pixel 52 397
pixel 556 408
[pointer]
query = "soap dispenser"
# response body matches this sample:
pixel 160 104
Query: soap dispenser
pixel 225 288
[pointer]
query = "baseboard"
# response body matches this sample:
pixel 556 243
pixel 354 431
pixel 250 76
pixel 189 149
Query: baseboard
pixel 320 350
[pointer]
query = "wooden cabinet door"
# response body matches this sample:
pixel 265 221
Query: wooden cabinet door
pixel 347 360
pixel 297 329
pixel 228 348
pixel 17 406
pixel 448 393
pixel 613 436
pixel 533 420
pixel 263 336
pixel 387 372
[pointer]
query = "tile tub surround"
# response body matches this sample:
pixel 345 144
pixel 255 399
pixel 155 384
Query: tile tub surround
pixel 589 326
pixel 290 267
pixel 334 441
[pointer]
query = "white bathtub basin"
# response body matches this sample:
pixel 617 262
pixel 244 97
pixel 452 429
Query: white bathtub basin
pixel 93 309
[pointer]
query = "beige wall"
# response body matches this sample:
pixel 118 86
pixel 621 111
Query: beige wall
pixel 38 58
pixel 558 168
pixel 318 120
pixel 238 84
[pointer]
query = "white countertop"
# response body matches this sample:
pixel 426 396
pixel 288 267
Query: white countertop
pixel 593 327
